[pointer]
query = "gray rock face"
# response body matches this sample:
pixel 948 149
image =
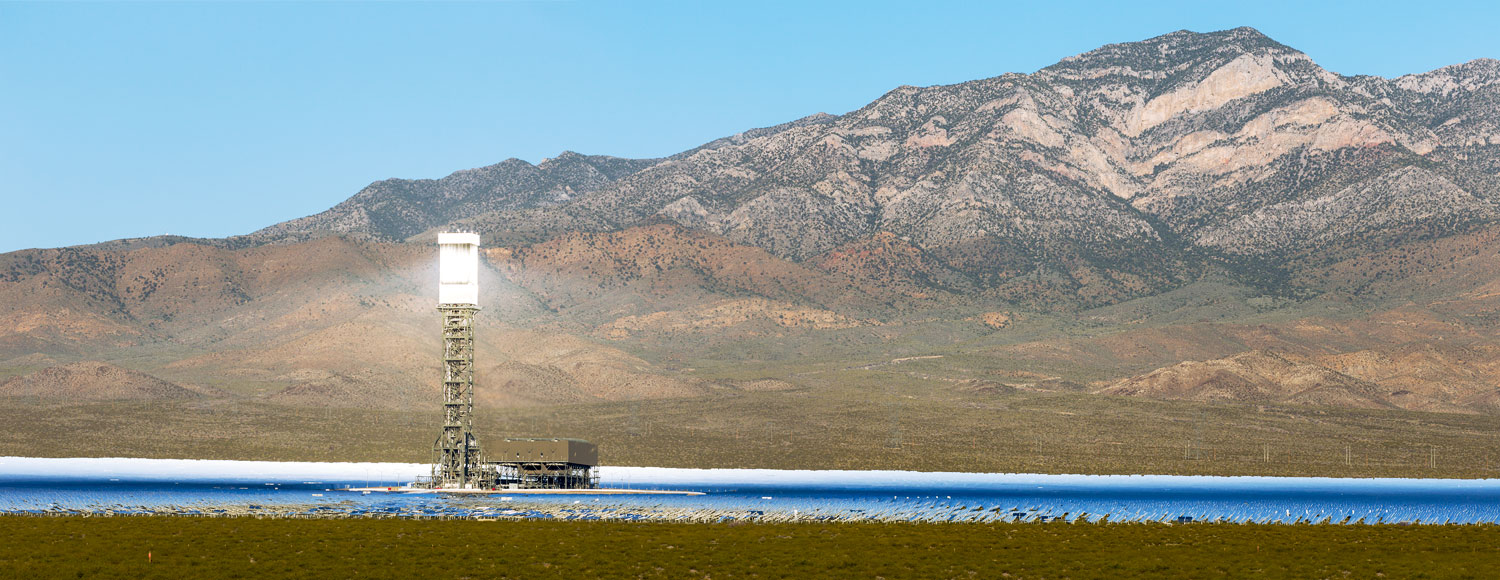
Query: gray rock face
pixel 1108 175
pixel 1405 198
pixel 1460 103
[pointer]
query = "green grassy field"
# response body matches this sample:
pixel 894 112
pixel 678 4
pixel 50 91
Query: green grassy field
pixel 862 420
pixel 254 548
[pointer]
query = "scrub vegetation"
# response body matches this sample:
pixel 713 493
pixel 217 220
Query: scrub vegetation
pixel 182 547
pixel 856 420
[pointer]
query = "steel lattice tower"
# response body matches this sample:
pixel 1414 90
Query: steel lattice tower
pixel 459 462
pixel 459 457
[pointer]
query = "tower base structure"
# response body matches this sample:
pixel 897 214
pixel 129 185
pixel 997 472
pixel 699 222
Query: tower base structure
pixel 458 461
pixel 521 463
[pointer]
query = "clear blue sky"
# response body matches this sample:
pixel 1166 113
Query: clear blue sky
pixel 210 118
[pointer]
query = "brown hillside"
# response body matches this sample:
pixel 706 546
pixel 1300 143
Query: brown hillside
pixel 1430 377
pixel 886 260
pixel 315 388
pixel 389 359
pixel 330 321
pixel 93 380
pixel 528 365
pixel 598 277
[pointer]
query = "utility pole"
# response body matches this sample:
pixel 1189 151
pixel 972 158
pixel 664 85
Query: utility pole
pixel 893 441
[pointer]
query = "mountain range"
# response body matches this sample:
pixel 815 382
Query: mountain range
pixel 1213 205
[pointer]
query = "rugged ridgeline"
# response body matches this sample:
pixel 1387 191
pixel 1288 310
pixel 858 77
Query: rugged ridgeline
pixel 1109 175
pixel 1188 197
pixel 397 209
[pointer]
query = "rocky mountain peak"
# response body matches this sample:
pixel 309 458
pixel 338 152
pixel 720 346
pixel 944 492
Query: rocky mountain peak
pixel 1167 56
pixel 566 155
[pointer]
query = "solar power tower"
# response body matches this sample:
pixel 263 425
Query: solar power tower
pixel 460 463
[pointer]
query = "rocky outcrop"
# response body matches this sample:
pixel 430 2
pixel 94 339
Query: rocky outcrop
pixel 1253 377
pixel 1426 378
